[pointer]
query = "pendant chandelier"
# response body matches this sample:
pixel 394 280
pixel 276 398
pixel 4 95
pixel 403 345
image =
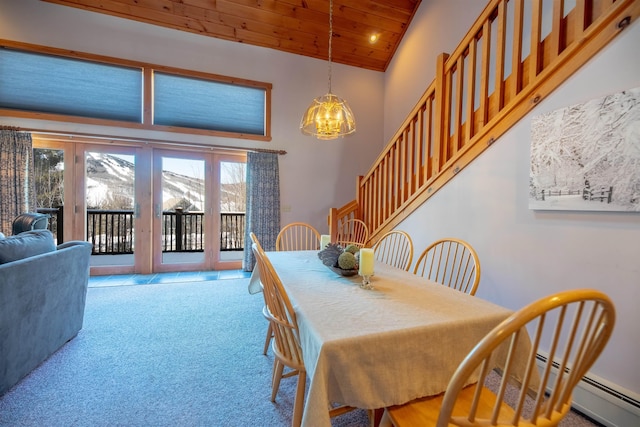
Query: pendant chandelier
pixel 328 116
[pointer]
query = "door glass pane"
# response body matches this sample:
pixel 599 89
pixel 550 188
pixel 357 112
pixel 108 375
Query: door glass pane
pixel 232 209
pixel 49 186
pixel 183 202
pixel 110 181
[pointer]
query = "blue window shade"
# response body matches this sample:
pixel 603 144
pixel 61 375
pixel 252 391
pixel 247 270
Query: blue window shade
pixel 207 104
pixel 59 85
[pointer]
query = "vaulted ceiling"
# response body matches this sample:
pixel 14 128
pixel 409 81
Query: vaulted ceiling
pixel 296 26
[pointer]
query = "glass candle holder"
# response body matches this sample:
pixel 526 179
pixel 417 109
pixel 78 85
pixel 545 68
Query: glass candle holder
pixel 366 282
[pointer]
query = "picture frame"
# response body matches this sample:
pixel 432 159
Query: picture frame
pixel 586 157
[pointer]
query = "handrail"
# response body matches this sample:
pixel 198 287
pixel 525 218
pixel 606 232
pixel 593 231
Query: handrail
pixel 349 211
pixel 469 106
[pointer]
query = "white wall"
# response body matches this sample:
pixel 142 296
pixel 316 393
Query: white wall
pixel 437 27
pixel 527 254
pixel 315 175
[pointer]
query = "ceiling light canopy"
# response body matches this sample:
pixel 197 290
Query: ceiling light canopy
pixel 328 116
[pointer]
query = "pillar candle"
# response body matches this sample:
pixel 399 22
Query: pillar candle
pixel 325 239
pixel 366 262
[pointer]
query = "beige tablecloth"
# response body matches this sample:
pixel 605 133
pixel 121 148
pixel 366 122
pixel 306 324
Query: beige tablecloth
pixel 375 348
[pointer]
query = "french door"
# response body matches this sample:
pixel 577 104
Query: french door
pixel 107 206
pixel 182 237
pixel 198 205
pixel 149 209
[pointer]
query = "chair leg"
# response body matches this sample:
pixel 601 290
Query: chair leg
pixel 268 339
pixel 278 367
pixel 385 421
pixel 298 405
pixel 375 417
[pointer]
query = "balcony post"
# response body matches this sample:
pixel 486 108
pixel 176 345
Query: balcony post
pixel 178 229
pixel 60 224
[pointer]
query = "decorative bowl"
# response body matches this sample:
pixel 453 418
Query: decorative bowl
pixel 330 255
pixel 345 273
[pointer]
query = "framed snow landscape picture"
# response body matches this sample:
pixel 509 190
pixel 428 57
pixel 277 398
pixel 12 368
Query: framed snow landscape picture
pixel 586 157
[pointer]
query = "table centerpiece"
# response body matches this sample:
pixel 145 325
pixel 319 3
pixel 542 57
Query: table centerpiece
pixel 346 261
pixel 343 261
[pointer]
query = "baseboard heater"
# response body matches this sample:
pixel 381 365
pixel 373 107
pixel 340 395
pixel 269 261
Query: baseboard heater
pixel 604 403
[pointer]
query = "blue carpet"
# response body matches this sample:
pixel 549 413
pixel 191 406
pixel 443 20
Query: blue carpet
pixel 179 354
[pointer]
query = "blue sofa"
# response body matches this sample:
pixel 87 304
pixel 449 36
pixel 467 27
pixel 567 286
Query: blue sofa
pixel 43 291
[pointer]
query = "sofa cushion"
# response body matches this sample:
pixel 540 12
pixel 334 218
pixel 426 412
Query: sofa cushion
pixel 27 244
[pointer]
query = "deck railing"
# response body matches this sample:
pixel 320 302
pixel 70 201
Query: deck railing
pixel 232 231
pixel 56 222
pixel 182 231
pixel 498 73
pixel 111 231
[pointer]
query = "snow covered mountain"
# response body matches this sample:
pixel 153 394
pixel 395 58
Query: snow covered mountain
pixel 110 185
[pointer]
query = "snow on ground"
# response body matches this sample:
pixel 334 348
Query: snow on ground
pixel 573 203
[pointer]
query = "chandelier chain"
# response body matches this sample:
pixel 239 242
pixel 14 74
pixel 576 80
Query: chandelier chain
pixel 330 38
pixel 328 117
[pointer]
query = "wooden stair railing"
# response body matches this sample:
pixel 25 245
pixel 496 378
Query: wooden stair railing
pixel 469 106
pixel 349 211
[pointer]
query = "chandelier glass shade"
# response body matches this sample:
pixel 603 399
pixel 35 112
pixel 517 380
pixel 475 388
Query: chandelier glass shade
pixel 328 116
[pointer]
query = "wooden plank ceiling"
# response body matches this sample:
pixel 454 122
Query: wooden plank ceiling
pixel 296 26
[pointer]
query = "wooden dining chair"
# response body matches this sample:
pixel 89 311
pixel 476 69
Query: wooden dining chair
pixel 451 262
pixel 298 236
pixel 352 232
pixel 394 248
pixel 572 327
pixel 269 336
pixel 286 343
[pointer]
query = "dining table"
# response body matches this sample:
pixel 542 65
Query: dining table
pixel 373 348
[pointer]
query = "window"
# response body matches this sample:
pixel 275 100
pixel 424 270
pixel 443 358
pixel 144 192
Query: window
pixel 58 85
pixel 206 104
pixel 54 84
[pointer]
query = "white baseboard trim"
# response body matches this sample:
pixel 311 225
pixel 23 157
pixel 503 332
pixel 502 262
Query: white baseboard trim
pixel 602 401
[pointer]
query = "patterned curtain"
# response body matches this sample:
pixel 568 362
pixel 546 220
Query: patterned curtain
pixel 17 193
pixel 263 203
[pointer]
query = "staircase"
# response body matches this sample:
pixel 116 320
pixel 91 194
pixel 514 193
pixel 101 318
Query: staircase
pixel 491 81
